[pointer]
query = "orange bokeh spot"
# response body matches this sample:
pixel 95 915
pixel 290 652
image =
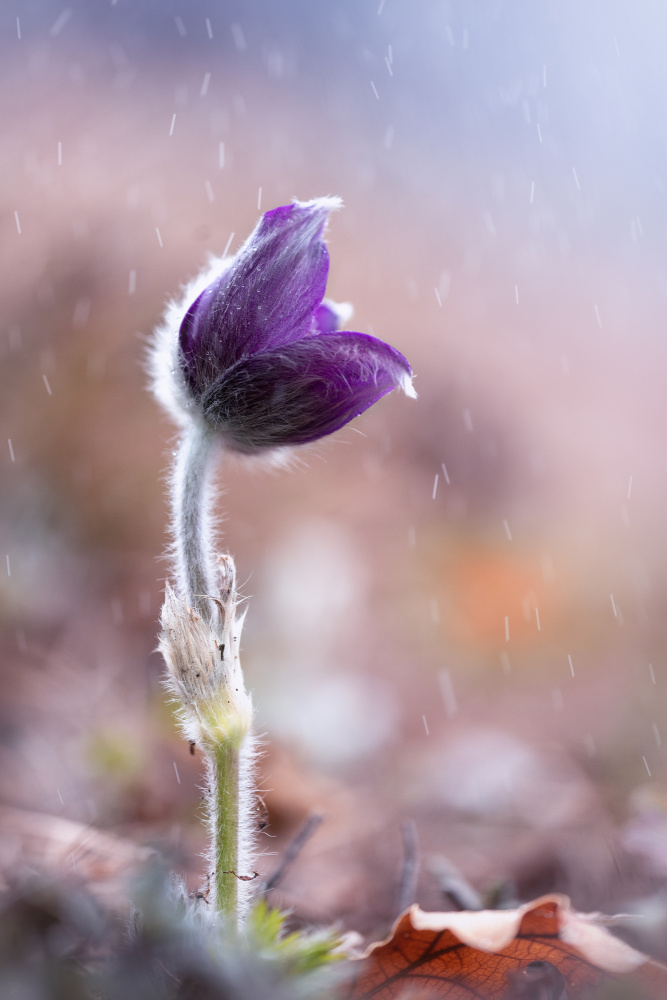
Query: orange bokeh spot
pixel 488 593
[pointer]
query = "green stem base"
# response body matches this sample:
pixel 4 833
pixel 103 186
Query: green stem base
pixel 224 805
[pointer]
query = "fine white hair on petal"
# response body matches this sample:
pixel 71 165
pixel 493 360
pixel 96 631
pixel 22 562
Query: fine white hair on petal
pixel 407 386
pixel 330 202
pixel 164 366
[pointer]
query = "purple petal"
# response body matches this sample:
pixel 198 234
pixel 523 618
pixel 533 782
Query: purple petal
pixel 327 318
pixel 196 337
pixel 304 390
pixel 265 299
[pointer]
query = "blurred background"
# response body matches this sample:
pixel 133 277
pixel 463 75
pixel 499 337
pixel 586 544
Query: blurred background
pixel 458 604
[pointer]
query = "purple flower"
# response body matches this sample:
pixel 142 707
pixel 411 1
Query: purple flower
pixel 259 351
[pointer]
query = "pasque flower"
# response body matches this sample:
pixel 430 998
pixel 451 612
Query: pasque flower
pixel 252 357
pixel 259 356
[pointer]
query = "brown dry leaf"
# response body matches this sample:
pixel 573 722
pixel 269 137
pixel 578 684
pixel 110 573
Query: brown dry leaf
pixel 32 841
pixel 480 955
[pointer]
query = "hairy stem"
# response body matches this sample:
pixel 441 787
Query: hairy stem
pixel 221 719
pixel 231 808
pixel 225 827
pixel 191 499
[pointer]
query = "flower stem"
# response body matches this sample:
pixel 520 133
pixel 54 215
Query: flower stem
pixel 224 806
pixel 200 642
pixel 191 499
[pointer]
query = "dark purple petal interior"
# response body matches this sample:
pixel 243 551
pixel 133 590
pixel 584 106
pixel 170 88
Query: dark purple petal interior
pixel 303 390
pixel 265 300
